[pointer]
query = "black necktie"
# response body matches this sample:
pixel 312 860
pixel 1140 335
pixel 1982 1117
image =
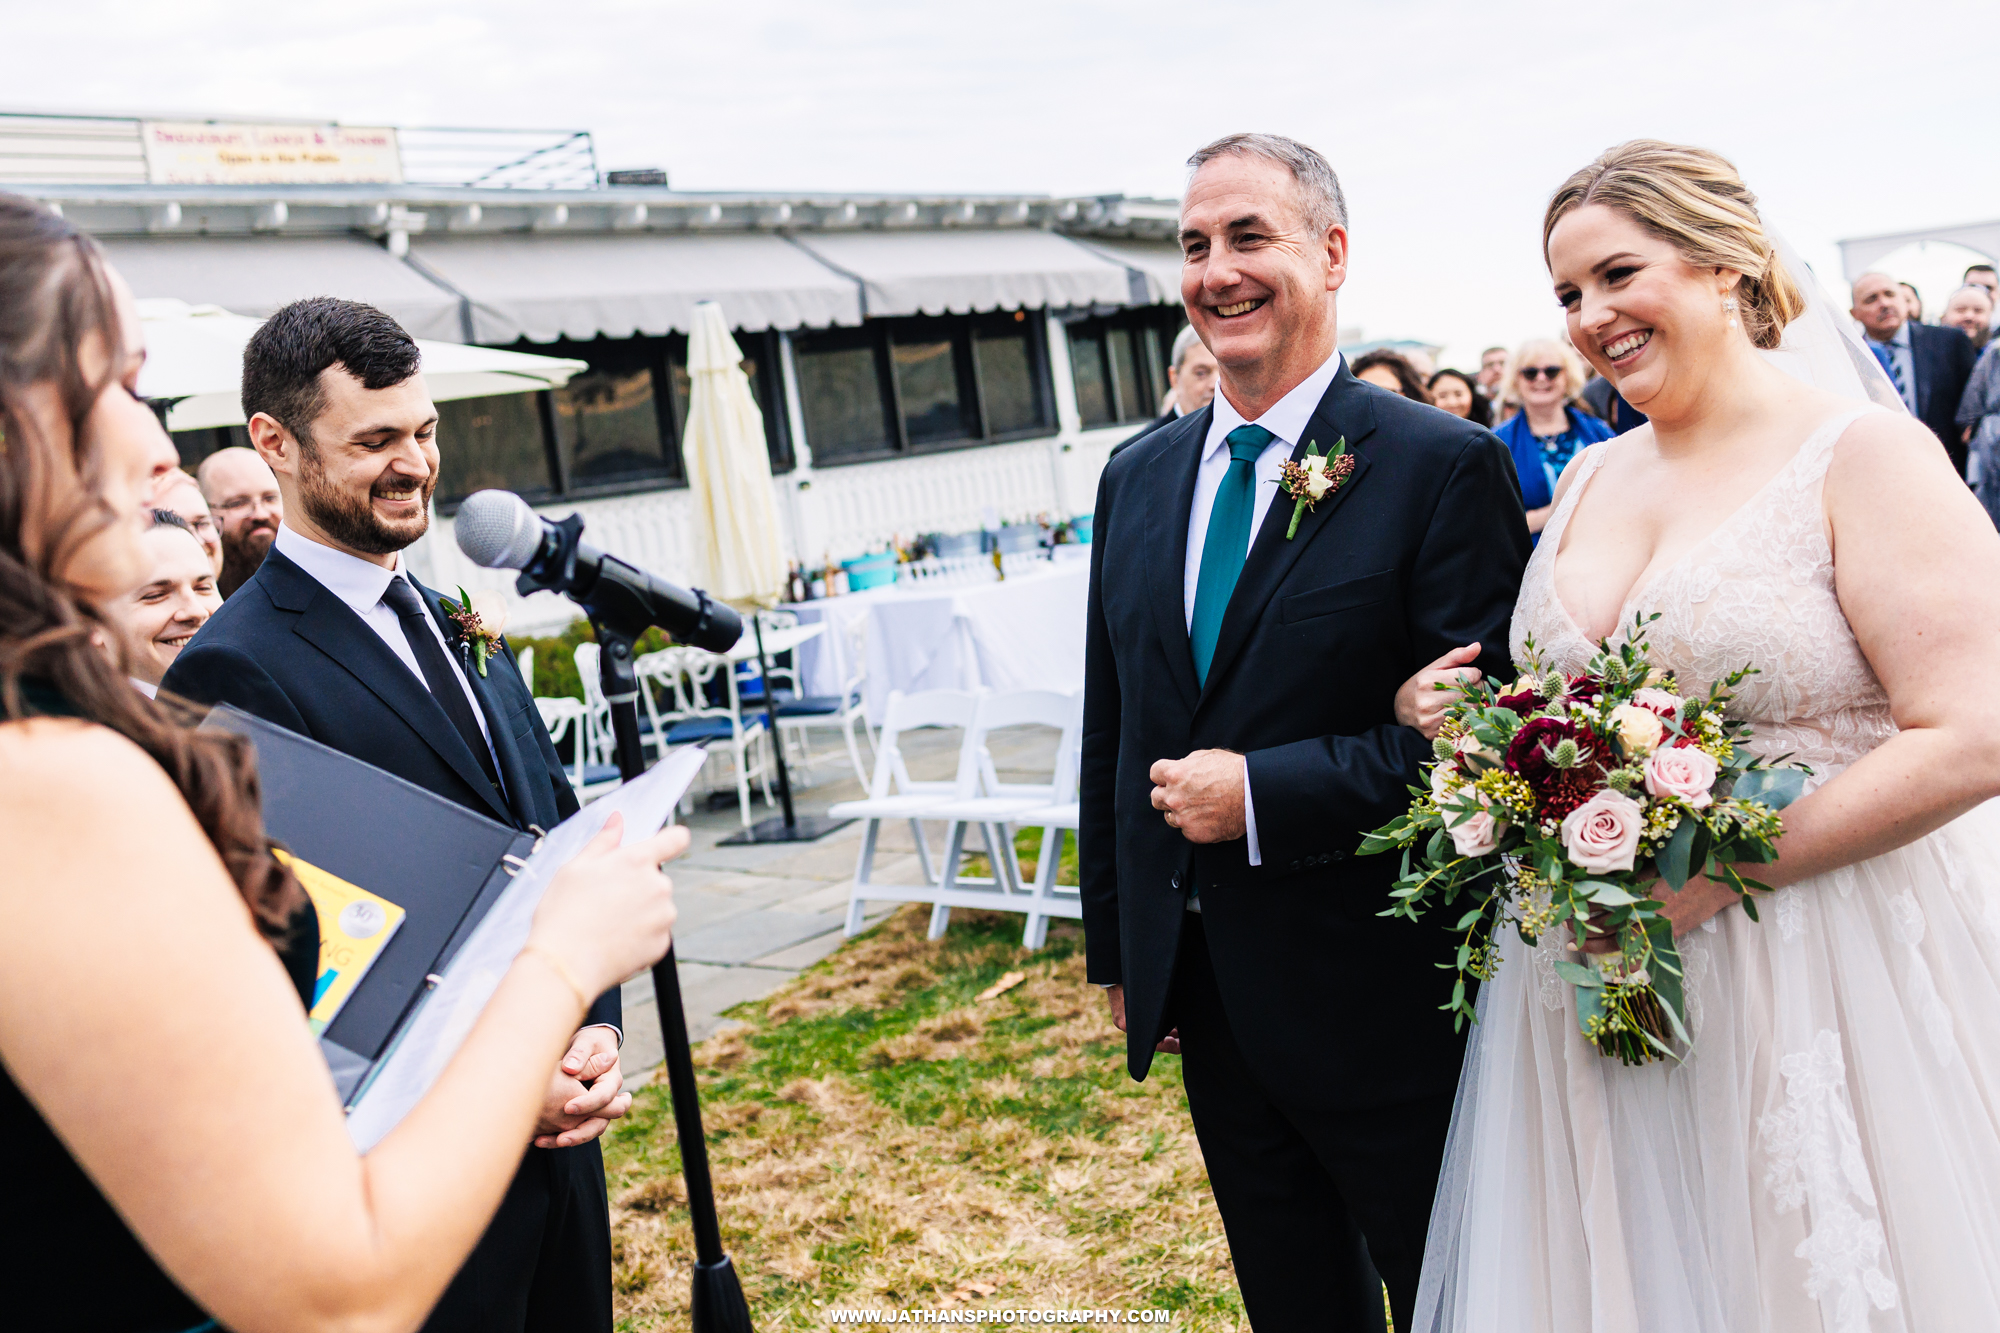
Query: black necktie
pixel 409 608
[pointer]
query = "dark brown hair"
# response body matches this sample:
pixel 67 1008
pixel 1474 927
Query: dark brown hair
pixel 1409 383
pixel 54 299
pixel 284 358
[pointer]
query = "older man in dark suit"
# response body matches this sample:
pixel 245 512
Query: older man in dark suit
pixel 1244 661
pixel 333 638
pixel 1930 363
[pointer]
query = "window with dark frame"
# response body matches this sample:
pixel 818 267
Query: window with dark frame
pixel 922 384
pixel 1119 363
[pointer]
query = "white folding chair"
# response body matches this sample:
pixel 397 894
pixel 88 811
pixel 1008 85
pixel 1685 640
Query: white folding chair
pixel 525 659
pixel 1058 821
pixel 565 716
pixel 894 795
pixel 721 726
pixel 597 717
pixel 1002 804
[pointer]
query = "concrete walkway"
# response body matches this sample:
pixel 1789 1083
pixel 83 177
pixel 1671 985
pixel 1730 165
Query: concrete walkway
pixel 751 918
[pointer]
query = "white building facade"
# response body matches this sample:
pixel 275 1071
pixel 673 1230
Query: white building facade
pixel 924 364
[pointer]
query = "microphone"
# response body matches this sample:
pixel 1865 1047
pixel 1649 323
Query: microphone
pixel 497 530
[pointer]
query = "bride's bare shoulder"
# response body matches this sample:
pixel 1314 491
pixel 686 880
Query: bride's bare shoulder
pixel 1893 450
pixel 73 770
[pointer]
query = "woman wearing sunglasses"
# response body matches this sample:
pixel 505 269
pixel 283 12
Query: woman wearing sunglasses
pixel 1552 427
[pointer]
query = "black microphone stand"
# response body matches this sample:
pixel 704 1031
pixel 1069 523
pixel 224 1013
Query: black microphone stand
pixel 719 1306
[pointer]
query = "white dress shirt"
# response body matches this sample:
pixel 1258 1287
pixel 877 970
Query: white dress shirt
pixel 1287 421
pixel 361 584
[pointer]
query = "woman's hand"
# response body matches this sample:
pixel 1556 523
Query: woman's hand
pixel 1421 704
pixel 1697 901
pixel 610 912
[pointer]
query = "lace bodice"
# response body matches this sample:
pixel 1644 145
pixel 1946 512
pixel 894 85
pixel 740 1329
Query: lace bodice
pixel 1757 591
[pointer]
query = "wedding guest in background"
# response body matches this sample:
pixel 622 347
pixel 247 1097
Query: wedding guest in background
pixel 1970 311
pixel 1420 361
pixel 1492 369
pixel 1457 393
pixel 1392 371
pixel 150 931
pixel 1913 303
pixel 181 494
pixel 1191 377
pixel 243 495
pixel 1929 365
pixel 1545 377
pixel 152 623
pixel 1984 275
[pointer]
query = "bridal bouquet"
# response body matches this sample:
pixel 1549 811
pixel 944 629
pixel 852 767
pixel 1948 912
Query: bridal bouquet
pixel 1558 799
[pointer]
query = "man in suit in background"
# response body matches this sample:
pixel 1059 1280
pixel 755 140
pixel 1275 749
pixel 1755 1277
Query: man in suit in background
pixel 243 495
pixel 1928 362
pixel 1192 376
pixel 1241 733
pixel 333 638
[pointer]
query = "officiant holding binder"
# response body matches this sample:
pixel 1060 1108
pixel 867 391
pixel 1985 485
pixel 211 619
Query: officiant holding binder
pixel 334 639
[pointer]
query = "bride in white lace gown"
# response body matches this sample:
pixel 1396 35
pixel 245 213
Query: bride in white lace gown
pixel 1828 1158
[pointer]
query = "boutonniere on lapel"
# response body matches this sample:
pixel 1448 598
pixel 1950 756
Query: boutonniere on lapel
pixel 480 623
pixel 1312 480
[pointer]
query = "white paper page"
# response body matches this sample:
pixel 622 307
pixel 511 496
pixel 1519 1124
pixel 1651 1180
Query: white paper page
pixel 440 1026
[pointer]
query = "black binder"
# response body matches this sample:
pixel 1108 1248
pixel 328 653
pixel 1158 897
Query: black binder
pixel 441 863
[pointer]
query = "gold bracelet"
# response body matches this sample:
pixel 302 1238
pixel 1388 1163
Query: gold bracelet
pixel 555 965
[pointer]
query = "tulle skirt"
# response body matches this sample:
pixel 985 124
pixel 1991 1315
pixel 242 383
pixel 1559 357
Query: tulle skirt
pixel 1828 1159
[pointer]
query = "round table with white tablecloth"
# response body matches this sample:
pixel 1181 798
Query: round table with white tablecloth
pixel 1023 632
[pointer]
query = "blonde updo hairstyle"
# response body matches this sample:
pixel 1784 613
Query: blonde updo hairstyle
pixel 1695 201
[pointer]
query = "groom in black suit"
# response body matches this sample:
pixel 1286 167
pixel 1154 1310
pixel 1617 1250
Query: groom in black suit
pixel 333 638
pixel 1240 735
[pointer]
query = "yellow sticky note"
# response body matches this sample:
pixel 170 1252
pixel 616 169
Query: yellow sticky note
pixel 354 927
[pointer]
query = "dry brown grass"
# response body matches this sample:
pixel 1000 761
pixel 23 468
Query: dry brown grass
pixel 882 1138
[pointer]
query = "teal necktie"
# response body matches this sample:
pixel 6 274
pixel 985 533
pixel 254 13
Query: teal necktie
pixel 1227 544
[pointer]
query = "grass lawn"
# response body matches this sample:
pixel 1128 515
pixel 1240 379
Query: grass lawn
pixel 883 1138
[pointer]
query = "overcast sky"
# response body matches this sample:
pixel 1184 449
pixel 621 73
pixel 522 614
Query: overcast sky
pixel 1449 122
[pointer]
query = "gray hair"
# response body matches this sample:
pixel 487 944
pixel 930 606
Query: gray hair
pixel 1187 338
pixel 1319 189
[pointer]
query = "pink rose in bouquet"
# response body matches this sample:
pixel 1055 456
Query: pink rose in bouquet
pixel 1603 833
pixel 1682 772
pixel 1477 835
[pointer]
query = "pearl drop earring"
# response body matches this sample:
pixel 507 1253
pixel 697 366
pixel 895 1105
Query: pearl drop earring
pixel 1729 308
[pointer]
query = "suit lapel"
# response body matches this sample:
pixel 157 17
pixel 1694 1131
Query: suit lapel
pixel 1343 412
pixel 1171 499
pixel 490 690
pixel 331 626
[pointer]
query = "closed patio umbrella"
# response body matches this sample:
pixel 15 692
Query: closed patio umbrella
pixel 736 524
pixel 729 471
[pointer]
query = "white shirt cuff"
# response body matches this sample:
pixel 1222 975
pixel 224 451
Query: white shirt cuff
pixel 1250 819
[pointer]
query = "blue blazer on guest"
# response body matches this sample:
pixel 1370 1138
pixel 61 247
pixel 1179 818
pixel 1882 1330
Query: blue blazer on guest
pixel 1538 479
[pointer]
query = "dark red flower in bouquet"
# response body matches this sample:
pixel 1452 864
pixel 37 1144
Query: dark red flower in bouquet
pixel 1585 687
pixel 1522 704
pixel 1558 790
